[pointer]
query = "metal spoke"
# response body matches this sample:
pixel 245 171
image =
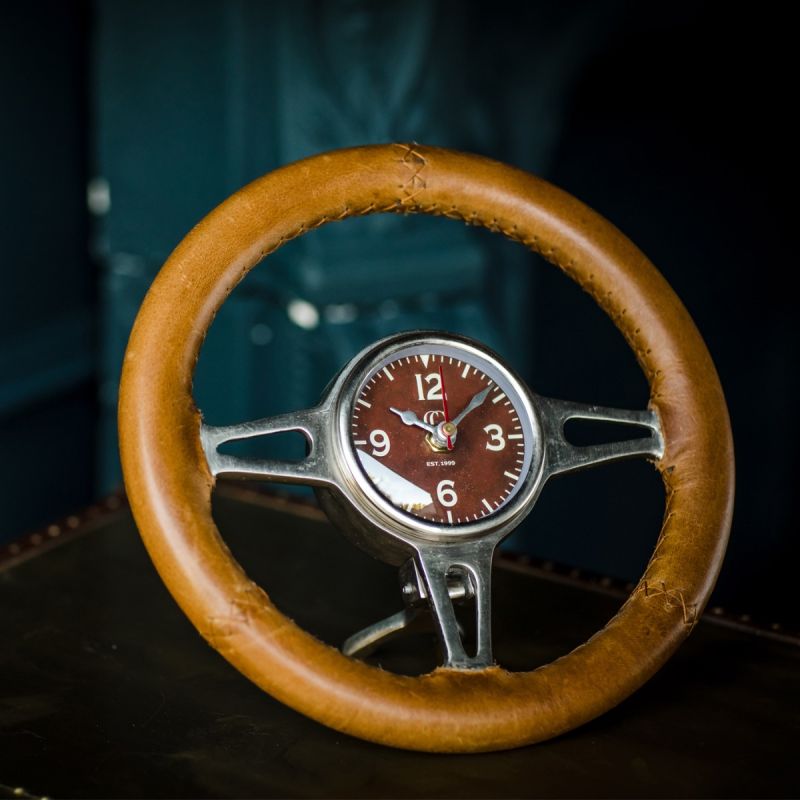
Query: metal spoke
pixel 561 456
pixel 312 469
pixel 472 561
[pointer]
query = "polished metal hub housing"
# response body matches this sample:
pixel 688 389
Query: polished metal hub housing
pixel 427 451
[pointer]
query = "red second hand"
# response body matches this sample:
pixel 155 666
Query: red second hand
pixel 444 405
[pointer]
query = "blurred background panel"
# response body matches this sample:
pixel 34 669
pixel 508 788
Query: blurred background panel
pixel 48 310
pixel 126 122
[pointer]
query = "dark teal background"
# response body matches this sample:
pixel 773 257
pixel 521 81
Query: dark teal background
pixel 670 120
pixel 48 296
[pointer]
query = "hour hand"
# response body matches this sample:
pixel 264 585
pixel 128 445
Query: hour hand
pixel 410 418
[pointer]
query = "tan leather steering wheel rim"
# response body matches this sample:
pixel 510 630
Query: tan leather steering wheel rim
pixel 169 485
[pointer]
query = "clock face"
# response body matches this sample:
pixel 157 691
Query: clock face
pixel 442 433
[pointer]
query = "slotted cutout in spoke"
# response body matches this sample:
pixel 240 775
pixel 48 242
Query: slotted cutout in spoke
pixel 588 432
pixel 290 446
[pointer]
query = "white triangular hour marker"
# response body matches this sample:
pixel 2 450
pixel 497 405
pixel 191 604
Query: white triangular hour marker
pixel 425 360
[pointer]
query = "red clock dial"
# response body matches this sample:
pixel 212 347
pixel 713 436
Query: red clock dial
pixel 441 435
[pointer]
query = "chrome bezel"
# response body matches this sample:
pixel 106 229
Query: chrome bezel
pixel 380 511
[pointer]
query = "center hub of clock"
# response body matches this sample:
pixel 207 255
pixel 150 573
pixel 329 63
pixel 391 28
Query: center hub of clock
pixel 438 440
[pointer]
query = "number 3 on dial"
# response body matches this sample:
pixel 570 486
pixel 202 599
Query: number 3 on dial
pixel 496 442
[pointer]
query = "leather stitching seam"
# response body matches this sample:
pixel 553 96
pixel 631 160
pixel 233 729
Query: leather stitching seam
pixel 415 162
pixel 673 598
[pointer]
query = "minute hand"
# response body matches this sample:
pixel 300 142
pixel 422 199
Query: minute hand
pixel 472 405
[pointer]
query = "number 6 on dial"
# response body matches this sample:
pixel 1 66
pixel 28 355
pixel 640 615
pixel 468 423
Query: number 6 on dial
pixel 446 493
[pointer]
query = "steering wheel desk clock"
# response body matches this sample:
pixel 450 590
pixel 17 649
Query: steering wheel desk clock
pixel 426 450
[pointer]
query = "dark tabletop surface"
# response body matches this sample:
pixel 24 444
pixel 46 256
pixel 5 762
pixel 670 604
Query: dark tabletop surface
pixel 106 690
